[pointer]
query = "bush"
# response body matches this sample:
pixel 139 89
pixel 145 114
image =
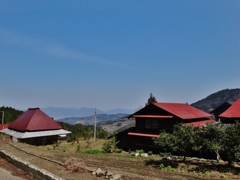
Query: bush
pixel 161 166
pixel 93 151
pixel 139 151
pixel 107 147
pixel 110 145
pixel 150 153
pixel 118 150
pixel 223 176
pixel 165 154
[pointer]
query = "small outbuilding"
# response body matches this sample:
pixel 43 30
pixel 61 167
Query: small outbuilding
pixel 220 109
pixel 35 127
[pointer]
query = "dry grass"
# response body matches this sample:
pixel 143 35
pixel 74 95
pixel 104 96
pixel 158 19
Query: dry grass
pixel 69 147
pixel 134 168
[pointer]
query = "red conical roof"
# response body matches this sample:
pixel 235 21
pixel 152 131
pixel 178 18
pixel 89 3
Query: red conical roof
pixel 34 120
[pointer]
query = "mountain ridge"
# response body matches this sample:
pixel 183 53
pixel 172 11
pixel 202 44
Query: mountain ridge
pixel 215 99
pixel 59 112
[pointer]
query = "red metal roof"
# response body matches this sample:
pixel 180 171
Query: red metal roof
pixel 233 111
pixel 200 123
pixel 3 126
pixel 182 110
pixel 142 134
pixel 34 120
pixel 151 116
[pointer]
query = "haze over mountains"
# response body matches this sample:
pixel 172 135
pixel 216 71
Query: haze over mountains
pixel 86 115
pixel 58 113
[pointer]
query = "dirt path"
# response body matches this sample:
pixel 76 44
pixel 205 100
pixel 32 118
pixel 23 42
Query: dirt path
pixel 10 172
pixel 128 167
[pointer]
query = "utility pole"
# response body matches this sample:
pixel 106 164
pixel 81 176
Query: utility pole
pixel 2 116
pixel 95 124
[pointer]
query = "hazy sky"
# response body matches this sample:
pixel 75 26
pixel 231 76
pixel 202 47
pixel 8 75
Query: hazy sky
pixel 113 54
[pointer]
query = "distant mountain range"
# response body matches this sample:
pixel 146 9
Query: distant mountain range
pixel 86 115
pixel 59 113
pixel 89 120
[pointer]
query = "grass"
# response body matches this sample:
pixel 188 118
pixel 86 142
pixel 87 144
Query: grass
pixel 196 168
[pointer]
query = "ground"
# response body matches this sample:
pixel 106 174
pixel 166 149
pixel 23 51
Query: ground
pixel 129 167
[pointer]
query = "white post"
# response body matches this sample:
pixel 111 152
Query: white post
pixel 2 116
pixel 95 124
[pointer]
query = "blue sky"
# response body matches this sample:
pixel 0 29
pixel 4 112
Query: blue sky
pixel 113 54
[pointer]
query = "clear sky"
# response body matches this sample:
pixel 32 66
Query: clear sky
pixel 112 54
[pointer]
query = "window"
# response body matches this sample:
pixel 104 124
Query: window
pixel 151 123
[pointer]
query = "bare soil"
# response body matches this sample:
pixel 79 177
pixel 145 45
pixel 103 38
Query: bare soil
pixel 129 167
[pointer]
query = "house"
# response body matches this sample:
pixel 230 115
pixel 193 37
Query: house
pixel 220 109
pixel 35 127
pixel 232 114
pixel 155 117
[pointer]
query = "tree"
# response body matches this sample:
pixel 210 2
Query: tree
pixel 213 136
pixel 151 99
pixel 184 139
pixel 224 139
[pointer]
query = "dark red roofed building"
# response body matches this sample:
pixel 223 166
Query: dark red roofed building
pixel 3 126
pixel 157 116
pixel 35 127
pixel 232 114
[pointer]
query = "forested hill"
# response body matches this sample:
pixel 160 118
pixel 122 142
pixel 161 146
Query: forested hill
pixel 10 114
pixel 212 101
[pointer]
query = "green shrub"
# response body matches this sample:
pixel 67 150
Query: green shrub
pixel 170 168
pixel 161 166
pixel 150 153
pixel 118 150
pixel 165 154
pixel 139 151
pixel 223 176
pixel 107 147
pixel 207 173
pixel 92 151
pixel 110 145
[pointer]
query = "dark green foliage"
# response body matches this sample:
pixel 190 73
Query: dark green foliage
pixel 151 99
pixel 10 114
pixel 118 150
pixel 183 139
pixel 221 139
pixel 224 139
pixel 82 131
pixel 110 145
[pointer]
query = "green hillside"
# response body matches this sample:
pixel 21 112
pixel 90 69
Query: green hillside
pixel 10 114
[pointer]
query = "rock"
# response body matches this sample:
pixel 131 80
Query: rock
pixel 100 172
pixel 116 176
pixel 168 158
pixel 108 173
pixel 144 154
pixel 136 154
